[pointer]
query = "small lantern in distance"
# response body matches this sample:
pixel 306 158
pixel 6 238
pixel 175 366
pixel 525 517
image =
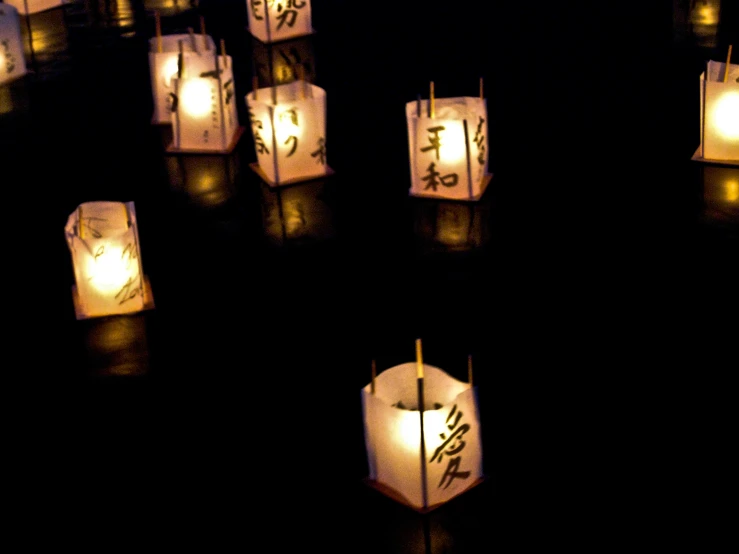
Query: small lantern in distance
pixel 421 461
pixel 448 145
pixel 104 243
pixel 719 118
pixel 289 128
pixel 275 20
pixel 12 62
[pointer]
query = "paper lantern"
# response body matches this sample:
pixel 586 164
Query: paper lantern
pixel 452 460
pixel 297 215
pixel 289 129
pixel 12 62
pixel 284 62
pixel 104 242
pixel 274 20
pixel 35 6
pixel 448 144
pixel 163 67
pixel 719 117
pixel 204 114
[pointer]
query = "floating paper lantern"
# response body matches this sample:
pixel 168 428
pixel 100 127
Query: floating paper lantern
pixel 12 62
pixel 164 65
pixel 719 118
pixel 274 20
pixel 204 114
pixel 34 6
pixel 448 146
pixel 284 62
pixel 289 128
pixel 421 469
pixel 104 242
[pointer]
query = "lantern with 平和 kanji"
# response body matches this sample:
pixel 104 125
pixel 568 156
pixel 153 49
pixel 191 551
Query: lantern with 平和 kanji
pixel 274 20
pixel 448 146
pixel 104 242
pixel 12 62
pixel 289 129
pixel 719 117
pixel 204 114
pixel 422 435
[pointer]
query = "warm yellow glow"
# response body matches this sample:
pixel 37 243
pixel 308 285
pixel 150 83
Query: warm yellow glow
pixel 726 115
pixel 170 69
pixel 287 124
pixel 2 63
pixel 732 191
pixel 408 429
pixel 110 268
pixel 453 148
pixel 195 97
pixel 706 15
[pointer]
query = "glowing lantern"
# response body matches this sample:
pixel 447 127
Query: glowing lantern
pixel 164 66
pixel 204 115
pixel 34 6
pixel 289 128
pixel 448 146
pixel 104 242
pixel 273 20
pixel 422 470
pixel 719 119
pixel 12 62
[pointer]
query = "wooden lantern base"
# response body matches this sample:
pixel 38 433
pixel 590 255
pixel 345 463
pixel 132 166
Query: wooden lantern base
pixel 483 187
pixel 263 176
pixel 148 303
pixel 698 158
pixel 171 149
pixel 294 37
pixel 399 498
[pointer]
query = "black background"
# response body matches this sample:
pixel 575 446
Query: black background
pixel 598 295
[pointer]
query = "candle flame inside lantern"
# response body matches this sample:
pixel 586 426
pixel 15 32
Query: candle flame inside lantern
pixel 287 125
pixel 726 115
pixel 110 268
pixel 408 430
pixel 169 71
pixel 453 147
pixel 196 98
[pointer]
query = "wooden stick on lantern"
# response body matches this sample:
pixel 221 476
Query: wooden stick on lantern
pixel 726 69
pixel 301 77
pixel 223 53
pixel 469 369
pixel 192 39
pixel 206 46
pixel 374 376
pixel 432 107
pixel 255 85
pixel 158 30
pixel 79 221
pixel 418 106
pixel 181 59
pixel 421 409
pixel 482 97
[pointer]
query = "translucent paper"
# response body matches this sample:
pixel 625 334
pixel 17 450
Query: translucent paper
pixel 12 62
pixel 453 457
pixel 720 113
pixel 289 135
pixel 273 20
pixel 35 6
pixel 163 67
pixel 104 243
pixel 449 152
pixel 205 118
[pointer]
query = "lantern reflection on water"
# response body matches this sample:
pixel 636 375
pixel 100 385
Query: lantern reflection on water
pixel 117 346
pixel 451 431
pixel 208 181
pixel 275 20
pixel 719 117
pixel 448 226
pixel 12 61
pixel 104 243
pixel 448 147
pixel 721 193
pixel 289 130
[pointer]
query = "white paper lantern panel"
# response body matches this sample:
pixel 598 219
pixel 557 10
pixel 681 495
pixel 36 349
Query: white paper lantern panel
pixel 104 243
pixel 204 117
pixel 163 67
pixel 393 433
pixel 12 62
pixel 449 152
pixel 290 134
pixel 34 6
pixel 275 20
pixel 719 118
